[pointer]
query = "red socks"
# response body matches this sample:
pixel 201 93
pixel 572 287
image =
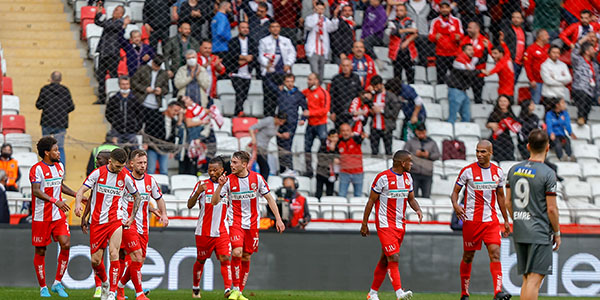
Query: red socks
pixel 115 270
pixel 379 275
pixel 63 262
pixel 394 275
pixel 236 265
pixel 245 272
pixel 465 277
pixel 125 274
pixel 135 270
pixel 496 270
pixel 100 271
pixel 198 267
pixel 39 263
pixel 226 273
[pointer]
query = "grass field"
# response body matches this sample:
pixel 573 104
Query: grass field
pixel 33 293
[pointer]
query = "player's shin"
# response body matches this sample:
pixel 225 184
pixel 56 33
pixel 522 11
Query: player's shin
pixel 115 270
pixel 245 273
pixel 135 270
pixel 226 273
pixel 379 275
pixel 496 270
pixel 198 267
pixel 63 262
pixel 39 263
pixel 100 271
pixel 236 265
pixel 394 274
pixel 465 277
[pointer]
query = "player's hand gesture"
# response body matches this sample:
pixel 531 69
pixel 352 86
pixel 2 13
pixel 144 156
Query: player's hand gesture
pixel 506 231
pixel 62 206
pixel 165 220
pixel 460 212
pixel 364 230
pixel 84 226
pixel 556 242
pixel 128 222
pixel 223 179
pixel 279 226
pixel 78 209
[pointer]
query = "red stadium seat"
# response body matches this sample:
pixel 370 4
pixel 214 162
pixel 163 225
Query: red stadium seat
pixel 240 127
pixel 145 36
pixel 88 13
pixel 122 69
pixel 13 124
pixel 7 86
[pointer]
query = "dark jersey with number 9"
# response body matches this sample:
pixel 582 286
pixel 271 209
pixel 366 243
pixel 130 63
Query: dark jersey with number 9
pixel 530 182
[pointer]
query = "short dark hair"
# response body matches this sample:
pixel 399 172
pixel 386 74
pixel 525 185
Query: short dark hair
pixel 158 59
pixel 375 80
pixel 263 5
pixel 289 75
pixel 553 47
pixel 465 46
pixel 177 102
pixel 585 12
pixel 332 132
pixel 242 155
pixel 217 160
pixel 537 140
pixel 124 77
pixel 585 46
pixel 421 127
pixel 206 41
pixel 499 49
pixel 401 155
pixel 6 145
pixel 281 115
pixel 319 3
pixel 119 155
pixel 44 144
pixel 137 152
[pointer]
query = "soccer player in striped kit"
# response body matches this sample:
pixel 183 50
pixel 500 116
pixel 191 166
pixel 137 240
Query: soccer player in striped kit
pixel 243 188
pixel 108 184
pixel 212 234
pixel 391 191
pixel 48 213
pixel 484 182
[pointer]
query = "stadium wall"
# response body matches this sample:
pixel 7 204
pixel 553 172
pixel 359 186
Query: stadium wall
pixel 316 261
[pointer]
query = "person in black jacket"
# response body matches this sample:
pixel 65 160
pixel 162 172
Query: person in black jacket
pixel 259 22
pixel 529 121
pixel 56 103
pixel 157 19
pixel 462 77
pixel 344 87
pixel 122 112
pixel 109 46
pixel 161 136
pixel 343 38
pixel 514 33
pixel 240 59
pixel 501 140
pixel 197 13
pixel 4 211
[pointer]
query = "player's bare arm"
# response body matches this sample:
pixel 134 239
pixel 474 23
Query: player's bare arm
pixel 273 205
pixel 68 191
pixel 508 203
pixel 37 192
pixel 85 222
pixel 458 209
pixel 137 200
pixel 79 198
pixel 194 197
pixel 415 205
pixel 502 204
pixel 553 216
pixel 364 228
pixel 217 194
pixel 162 207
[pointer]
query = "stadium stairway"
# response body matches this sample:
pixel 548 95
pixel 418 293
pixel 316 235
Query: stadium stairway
pixel 38 38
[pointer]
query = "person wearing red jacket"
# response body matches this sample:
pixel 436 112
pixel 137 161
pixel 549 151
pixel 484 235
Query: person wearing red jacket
pixel 576 31
pixel 362 64
pixel 505 69
pixel 213 65
pixel 446 32
pixel 534 57
pixel 318 103
pixel 402 49
pixel 574 8
pixel 482 47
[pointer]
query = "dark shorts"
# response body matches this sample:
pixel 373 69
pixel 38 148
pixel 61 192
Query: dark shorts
pixel 534 258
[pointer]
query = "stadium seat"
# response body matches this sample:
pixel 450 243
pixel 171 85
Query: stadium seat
pixel 241 126
pixel 302 82
pixel 304 185
pixel 13 124
pixel 386 74
pixel 21 142
pixel 112 87
pixel 506 165
pixel 578 191
pixel 594 116
pixel 568 170
pixel 421 75
pixel 313 207
pixel 586 153
pixel 382 54
pixel 426 209
pixel 452 167
pixel 301 70
pixel 356 212
pixel 442 189
pixel 7 85
pixel 482 111
pixel 225 127
pixel 227 145
pixel 470 147
pixel 397 145
pixel 434 111
pixel 255 87
pixel 10 105
pixel 162 181
pixel 26 159
pixel 183 182
pixel 137 8
pixel 225 87
pixel 440 129
pixel 595 128
pixel 334 211
pixel 172 207
pixel 441 92
pixel 582 132
pixel 467 131
pixel 228 104
pixel 591 171
pixel 425 91
pixel 274 182
pixel 371 164
pixel 182 194
pixel 539 111
pixel 83 12
pixel 330 71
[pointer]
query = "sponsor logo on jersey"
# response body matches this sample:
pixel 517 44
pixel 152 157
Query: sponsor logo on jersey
pixel 248 195
pixel 109 190
pixel 52 182
pixel 398 194
pixel 525 172
pixel 485 185
pixel 208 199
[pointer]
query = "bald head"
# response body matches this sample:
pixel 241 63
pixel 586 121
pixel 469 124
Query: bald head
pixel 56 77
pixel 485 144
pixel 484 153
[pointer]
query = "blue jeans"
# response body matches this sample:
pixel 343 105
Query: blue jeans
pixel 355 179
pixel 459 103
pixel 536 94
pixel 59 135
pixel 162 159
pixel 518 68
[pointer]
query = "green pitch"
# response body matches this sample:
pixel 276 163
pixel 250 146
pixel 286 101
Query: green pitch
pixel 33 293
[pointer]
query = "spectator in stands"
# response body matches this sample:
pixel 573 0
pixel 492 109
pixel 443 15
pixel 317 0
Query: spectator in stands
pixel 555 74
pixel 56 103
pixel 260 22
pixel 500 122
pixel 123 112
pixel 298 215
pixel 585 78
pixel 308 7
pixel 558 124
pixel 317 44
pixel 136 52
pixel 421 13
pixel 574 8
pixel 4 211
pixel 193 80
pixel 547 16
pixel 175 49
pixel 446 32
pixel 343 38
pixel 213 64
pixel 220 29
pixel 462 77
pixel 473 11
pixel 425 151
pixel 328 164
pixel 529 121
pixel 504 69
pixel 252 6
pixel 535 55
pixel 160 137
pixel 412 107
pixel 384 113
pixel 318 102
pixel 197 120
pixel 402 49
pixel 242 54
pixel 276 55
pixel 373 27
pixel 261 133
pixel 514 36
pixel 149 85
pixel 157 19
pixel 11 166
pixel 482 47
pixel 576 31
pixel 362 64
pixel 344 87
pixel 100 155
pixel 109 46
pixel 287 14
pixel 197 13
pixel 351 167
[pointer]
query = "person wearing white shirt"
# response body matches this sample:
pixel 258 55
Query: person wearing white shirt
pixel 276 55
pixel 317 46
pixel 555 75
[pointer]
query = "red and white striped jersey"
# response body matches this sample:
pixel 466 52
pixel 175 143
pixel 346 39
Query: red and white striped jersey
pixel 147 187
pixel 378 120
pixel 243 196
pixel 480 195
pixel 50 178
pixel 196 113
pixel 211 219
pixel 393 190
pixel 107 190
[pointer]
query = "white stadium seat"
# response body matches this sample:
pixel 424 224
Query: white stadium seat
pixel 26 159
pixel 183 182
pixel 578 191
pixel 334 212
pixel 582 132
pixel 465 131
pixel 440 129
pixel 568 170
pixel 11 105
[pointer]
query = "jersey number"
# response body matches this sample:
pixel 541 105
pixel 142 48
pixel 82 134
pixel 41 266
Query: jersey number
pixel 521 193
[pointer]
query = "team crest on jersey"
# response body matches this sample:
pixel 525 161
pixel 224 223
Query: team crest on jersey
pixel 253 186
pixel 61 172
pixel 406 181
pixel 495 177
pixel 120 183
pixel 148 187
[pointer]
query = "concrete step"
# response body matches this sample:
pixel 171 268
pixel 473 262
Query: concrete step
pixel 38 44
pixel 71 72
pixel 35 62
pixel 54 53
pixel 32 8
pixel 7 17
pixel 31 2
pixel 37 34
pixel 83 93
pixel 35 25
pixel 42 80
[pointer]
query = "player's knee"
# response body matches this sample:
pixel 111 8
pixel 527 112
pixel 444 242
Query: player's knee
pixel 65 246
pixel 224 258
pixel 136 256
pixel 468 257
pixel 202 261
pixel 41 251
pixel 237 252
pixel 246 256
pixel 96 261
pixel 394 257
